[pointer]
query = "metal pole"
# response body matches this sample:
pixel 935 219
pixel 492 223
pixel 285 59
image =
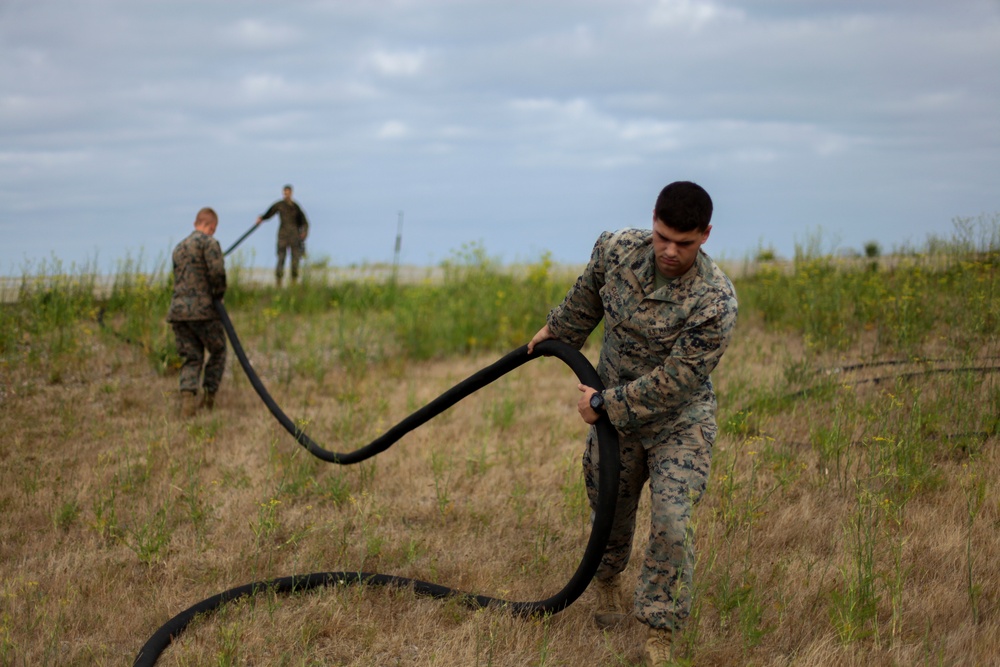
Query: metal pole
pixel 399 245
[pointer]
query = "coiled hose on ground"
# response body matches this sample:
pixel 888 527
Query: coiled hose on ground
pixel 600 528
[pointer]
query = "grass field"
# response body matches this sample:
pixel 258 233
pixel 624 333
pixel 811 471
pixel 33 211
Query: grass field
pixel 852 515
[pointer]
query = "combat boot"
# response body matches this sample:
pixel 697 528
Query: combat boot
pixel 187 403
pixel 656 652
pixel 610 607
pixel 208 400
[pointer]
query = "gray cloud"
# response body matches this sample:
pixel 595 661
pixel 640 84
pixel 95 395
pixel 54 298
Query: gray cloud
pixel 529 126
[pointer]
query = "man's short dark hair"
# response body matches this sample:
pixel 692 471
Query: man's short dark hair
pixel 684 206
pixel 288 186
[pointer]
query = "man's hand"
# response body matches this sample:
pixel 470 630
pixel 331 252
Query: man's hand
pixel 259 220
pixel 587 413
pixel 543 334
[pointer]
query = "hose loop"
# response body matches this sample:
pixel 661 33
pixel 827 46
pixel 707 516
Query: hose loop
pixel 600 526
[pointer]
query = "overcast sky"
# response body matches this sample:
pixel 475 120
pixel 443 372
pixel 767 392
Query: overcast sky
pixel 525 127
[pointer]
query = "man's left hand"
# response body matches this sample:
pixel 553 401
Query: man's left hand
pixel 587 413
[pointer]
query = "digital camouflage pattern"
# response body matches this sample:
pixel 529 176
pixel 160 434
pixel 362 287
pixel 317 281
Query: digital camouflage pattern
pixel 199 276
pixel 292 230
pixel 193 339
pixel 677 472
pixel 659 349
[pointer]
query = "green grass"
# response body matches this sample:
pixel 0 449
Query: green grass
pixel 868 460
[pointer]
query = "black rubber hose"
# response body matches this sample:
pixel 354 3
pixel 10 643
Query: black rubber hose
pixel 240 239
pixel 573 358
pixel 609 466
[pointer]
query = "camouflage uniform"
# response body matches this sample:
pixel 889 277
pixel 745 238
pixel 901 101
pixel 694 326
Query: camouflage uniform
pixel 291 234
pixel 199 276
pixel 658 351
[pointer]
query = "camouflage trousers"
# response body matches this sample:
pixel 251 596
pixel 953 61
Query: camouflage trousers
pixel 194 338
pixel 294 246
pixel 677 471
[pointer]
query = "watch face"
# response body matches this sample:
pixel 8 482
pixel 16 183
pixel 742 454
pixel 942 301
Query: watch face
pixel 596 401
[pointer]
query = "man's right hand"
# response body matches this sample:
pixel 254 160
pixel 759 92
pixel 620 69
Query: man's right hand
pixel 259 220
pixel 543 334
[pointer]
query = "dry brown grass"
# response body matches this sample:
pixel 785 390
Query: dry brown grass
pixel 116 515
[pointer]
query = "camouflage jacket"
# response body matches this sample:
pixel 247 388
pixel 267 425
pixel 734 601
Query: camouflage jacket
pixel 294 225
pixel 660 346
pixel 199 275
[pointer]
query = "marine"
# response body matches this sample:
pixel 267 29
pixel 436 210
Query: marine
pixel 199 272
pixel 669 313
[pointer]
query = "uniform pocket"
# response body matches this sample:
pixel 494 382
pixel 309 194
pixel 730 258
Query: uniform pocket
pixel 615 310
pixel 709 432
pixel 661 338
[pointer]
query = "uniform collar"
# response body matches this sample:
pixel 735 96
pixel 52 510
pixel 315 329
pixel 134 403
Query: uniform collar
pixel 673 291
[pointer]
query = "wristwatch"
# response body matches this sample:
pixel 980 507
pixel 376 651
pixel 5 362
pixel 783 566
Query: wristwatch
pixel 597 401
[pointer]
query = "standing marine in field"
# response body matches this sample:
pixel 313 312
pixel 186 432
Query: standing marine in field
pixel 199 277
pixel 669 313
pixel 292 232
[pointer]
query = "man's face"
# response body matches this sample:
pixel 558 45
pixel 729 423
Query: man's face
pixel 287 192
pixel 676 251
